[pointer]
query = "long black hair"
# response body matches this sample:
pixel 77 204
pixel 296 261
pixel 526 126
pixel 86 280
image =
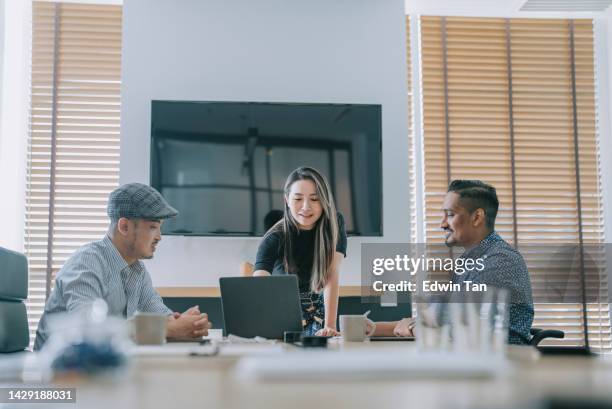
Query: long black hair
pixel 326 228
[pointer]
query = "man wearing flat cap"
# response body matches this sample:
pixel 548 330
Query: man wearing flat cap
pixel 111 269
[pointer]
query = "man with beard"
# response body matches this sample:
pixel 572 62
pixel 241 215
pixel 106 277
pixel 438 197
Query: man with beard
pixel 110 269
pixel 470 208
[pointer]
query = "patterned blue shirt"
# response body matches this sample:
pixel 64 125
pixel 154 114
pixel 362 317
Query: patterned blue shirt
pixel 504 267
pixel 94 271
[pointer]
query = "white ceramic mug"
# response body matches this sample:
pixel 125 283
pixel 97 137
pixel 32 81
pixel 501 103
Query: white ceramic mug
pixel 148 328
pixel 354 328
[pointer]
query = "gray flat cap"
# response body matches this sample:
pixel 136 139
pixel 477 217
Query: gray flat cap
pixel 138 201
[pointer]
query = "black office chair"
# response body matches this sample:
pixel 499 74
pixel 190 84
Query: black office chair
pixel 538 334
pixel 14 332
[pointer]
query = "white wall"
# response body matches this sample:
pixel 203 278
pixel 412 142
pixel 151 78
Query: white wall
pixel 603 52
pixel 2 36
pixel 341 51
pixel 603 66
pixel 14 108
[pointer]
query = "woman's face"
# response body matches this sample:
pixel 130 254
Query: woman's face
pixel 304 204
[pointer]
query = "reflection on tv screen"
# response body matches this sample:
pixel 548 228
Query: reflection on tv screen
pixel 223 164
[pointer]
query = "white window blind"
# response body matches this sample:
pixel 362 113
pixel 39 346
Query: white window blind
pixel 73 152
pixel 512 102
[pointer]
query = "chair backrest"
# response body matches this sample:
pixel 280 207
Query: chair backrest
pixel 14 333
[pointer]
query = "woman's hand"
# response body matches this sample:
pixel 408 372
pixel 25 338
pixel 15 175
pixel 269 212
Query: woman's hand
pixel 370 327
pixel 327 332
pixel 405 328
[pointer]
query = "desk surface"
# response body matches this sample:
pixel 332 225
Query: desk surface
pixel 180 381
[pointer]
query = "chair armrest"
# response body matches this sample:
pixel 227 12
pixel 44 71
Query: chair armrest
pixel 540 334
pixel 534 330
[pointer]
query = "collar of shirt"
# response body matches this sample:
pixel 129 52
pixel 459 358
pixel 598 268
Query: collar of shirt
pixel 482 247
pixel 131 276
pixel 118 263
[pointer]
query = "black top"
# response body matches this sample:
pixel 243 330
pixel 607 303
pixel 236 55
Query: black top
pixel 271 251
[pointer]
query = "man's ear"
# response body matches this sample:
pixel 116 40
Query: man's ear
pixel 123 225
pixel 479 217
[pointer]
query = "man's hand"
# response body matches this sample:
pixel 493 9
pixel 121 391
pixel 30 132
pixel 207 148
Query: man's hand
pixel 327 332
pixel 405 328
pixel 195 310
pixel 190 324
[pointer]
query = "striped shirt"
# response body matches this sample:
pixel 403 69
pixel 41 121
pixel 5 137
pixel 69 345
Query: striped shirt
pixel 97 270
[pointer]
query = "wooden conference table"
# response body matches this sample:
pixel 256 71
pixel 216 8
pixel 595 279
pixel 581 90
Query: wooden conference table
pixel 175 380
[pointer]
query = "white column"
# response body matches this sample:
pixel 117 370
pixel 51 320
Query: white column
pixel 603 90
pixel 15 35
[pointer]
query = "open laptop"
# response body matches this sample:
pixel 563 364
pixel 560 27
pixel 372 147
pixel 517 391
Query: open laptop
pixel 392 338
pixel 260 306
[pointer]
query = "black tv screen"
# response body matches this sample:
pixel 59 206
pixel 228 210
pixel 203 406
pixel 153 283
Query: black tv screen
pixel 223 165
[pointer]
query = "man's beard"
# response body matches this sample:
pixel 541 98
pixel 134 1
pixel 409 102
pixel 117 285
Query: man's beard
pixel 447 240
pixel 132 249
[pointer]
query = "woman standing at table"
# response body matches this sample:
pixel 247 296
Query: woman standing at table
pixel 310 242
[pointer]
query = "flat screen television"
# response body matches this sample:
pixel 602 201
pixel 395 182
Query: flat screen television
pixel 223 164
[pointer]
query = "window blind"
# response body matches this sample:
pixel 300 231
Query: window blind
pixel 512 102
pixel 73 149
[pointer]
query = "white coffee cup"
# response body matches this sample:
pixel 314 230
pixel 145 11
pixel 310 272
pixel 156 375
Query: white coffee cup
pixel 354 328
pixel 148 328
